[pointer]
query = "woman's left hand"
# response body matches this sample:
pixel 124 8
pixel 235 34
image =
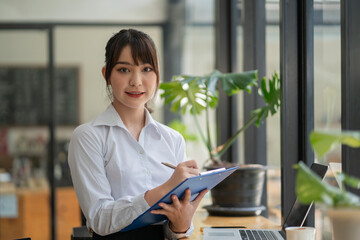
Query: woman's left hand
pixel 180 212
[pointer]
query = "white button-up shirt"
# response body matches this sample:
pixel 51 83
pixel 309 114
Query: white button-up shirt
pixel 111 171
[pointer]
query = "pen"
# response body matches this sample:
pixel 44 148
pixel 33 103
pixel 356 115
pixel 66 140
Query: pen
pixel 202 173
pixel 202 228
pixel 227 227
pixel 168 165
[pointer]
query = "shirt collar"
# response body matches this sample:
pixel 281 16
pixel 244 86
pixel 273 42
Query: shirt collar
pixel 151 123
pixel 110 117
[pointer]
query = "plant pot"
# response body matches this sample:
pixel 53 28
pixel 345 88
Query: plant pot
pixel 345 223
pixel 240 193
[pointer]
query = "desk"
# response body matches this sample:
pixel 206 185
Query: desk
pixel 202 219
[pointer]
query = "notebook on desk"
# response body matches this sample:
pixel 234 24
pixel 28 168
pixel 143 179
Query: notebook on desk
pixel 296 217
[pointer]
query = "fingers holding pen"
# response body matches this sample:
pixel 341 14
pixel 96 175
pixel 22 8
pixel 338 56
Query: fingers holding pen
pixel 190 164
pixel 189 168
pixel 183 171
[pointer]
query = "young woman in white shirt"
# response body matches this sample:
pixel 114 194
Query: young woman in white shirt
pixel 115 160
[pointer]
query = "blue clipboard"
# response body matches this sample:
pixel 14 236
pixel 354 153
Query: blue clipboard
pixel 195 184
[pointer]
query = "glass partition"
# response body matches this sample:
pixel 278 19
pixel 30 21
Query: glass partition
pixel 272 35
pixel 272 64
pixel 198 59
pixel 24 135
pixel 327 89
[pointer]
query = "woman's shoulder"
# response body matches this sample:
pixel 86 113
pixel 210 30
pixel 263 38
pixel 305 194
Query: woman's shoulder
pixel 85 130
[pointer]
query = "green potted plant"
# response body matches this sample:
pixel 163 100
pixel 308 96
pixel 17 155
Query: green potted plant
pixel 342 206
pixel 195 95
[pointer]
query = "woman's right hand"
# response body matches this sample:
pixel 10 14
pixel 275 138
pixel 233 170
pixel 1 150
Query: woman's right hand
pixel 183 171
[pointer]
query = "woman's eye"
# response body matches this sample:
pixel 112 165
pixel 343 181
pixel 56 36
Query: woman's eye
pixel 148 69
pixel 123 70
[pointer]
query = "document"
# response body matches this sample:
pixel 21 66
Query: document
pixel 195 184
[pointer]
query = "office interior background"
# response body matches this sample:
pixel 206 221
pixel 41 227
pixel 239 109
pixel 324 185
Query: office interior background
pixel 52 52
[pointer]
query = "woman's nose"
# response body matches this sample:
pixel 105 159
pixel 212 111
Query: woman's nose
pixel 135 79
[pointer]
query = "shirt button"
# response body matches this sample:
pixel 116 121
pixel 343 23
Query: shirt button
pixel 141 152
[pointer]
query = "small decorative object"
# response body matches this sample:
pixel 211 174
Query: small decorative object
pixel 240 194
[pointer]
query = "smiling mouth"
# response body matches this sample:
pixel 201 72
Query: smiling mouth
pixel 135 93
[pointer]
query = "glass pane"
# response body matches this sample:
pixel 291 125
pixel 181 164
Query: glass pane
pixel 199 59
pixel 273 123
pixel 327 87
pixel 272 48
pixel 24 135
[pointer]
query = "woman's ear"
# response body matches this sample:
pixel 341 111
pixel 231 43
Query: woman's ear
pixel 103 70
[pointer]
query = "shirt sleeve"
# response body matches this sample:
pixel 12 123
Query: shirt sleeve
pixel 104 215
pixel 170 235
pixel 181 149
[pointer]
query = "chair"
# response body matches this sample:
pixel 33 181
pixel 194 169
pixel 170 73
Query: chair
pixel 80 233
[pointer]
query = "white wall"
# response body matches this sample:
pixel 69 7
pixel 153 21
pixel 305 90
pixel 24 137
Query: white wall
pixel 75 46
pixel 82 47
pixel 125 11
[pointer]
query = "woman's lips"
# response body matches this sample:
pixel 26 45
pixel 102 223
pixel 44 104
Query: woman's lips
pixel 135 94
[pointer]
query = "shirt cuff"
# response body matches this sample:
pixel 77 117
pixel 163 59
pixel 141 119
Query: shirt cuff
pixel 170 235
pixel 139 204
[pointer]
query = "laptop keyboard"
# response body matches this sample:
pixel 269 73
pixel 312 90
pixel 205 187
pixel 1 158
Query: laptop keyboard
pixel 257 235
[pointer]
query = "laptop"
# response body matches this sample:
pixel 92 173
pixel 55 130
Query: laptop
pixel 296 217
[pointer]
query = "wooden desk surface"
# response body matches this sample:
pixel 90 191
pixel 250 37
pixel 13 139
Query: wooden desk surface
pixel 202 219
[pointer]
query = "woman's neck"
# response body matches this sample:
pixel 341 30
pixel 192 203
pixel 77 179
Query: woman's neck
pixel 134 119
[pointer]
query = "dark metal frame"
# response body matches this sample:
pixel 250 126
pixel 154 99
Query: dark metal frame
pixel 225 52
pixel 297 110
pixel 254 57
pixel 52 124
pixel 350 82
pixel 173 41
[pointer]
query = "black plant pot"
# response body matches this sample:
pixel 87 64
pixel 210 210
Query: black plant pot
pixel 240 193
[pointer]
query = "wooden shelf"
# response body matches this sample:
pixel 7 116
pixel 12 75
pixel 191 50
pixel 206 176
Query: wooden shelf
pixel 34 215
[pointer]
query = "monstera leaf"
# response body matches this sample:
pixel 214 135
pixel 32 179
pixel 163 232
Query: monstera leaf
pixel 186 95
pixel 271 94
pixel 309 188
pixel 322 142
pixel 196 93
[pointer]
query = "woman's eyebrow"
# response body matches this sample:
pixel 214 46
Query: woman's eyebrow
pixel 130 64
pixel 125 63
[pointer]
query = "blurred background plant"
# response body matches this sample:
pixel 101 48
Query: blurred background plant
pixel 309 186
pixel 194 94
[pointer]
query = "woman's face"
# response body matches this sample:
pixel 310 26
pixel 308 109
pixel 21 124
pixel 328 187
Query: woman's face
pixel 132 85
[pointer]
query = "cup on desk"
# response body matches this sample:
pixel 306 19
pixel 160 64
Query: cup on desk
pixel 300 233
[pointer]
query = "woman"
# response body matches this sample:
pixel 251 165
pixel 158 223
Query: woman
pixel 115 160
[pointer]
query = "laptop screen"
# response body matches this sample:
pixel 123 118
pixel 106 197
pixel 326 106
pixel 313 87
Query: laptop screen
pixel 299 212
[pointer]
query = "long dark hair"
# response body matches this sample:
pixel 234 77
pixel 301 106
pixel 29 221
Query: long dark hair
pixel 143 50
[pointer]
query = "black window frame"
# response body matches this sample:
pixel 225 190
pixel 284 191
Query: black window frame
pixel 297 78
